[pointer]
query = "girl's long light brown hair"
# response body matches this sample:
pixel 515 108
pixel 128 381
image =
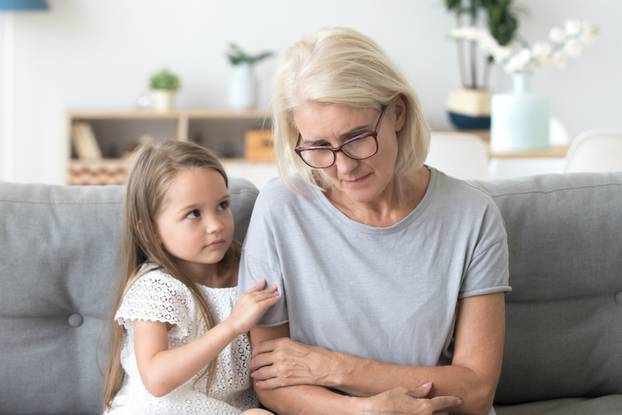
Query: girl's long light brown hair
pixel 154 169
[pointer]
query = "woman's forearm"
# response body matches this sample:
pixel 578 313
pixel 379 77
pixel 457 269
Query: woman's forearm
pixel 362 377
pixel 310 400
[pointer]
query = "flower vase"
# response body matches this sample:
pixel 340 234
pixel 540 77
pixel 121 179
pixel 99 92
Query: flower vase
pixel 242 88
pixel 469 108
pixel 520 119
pixel 163 101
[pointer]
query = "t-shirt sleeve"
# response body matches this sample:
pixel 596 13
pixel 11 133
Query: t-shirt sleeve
pixel 487 271
pixel 260 260
pixel 156 296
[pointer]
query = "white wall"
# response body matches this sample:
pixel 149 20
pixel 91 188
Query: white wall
pixel 99 54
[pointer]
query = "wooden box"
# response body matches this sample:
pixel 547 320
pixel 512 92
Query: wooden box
pixel 258 145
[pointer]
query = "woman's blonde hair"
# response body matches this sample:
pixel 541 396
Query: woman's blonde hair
pixel 154 169
pixel 341 66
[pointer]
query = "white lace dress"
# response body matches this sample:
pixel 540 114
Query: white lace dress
pixel 157 296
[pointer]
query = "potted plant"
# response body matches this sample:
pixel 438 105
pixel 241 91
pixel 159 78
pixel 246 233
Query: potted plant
pixel 243 84
pixel 164 85
pixel 469 106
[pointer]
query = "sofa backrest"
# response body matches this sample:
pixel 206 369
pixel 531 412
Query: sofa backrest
pixel 564 315
pixel 59 256
pixel 59 250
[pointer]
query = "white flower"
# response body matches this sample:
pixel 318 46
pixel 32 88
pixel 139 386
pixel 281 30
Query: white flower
pixel 573 48
pixel 573 27
pixel 557 35
pixel 559 59
pixel 588 32
pixel 487 42
pixel 519 62
pixel 567 42
pixel 541 52
pixel 501 53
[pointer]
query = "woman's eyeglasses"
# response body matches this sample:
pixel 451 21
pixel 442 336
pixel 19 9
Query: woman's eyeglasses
pixel 359 147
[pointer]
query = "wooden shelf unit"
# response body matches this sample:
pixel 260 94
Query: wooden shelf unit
pixel 118 132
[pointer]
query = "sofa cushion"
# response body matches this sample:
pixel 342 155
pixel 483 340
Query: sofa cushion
pixel 564 314
pixel 59 251
pixel 605 405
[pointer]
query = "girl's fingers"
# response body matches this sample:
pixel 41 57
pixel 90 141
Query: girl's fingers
pixel 271 301
pixel 260 285
pixel 262 295
pixel 267 290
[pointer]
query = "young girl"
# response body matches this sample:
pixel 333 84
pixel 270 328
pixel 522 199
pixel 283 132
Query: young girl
pixel 179 342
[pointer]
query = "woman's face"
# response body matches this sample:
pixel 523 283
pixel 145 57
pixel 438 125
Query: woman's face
pixel 330 125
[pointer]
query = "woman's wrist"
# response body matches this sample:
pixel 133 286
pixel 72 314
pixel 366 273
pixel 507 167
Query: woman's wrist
pixel 341 367
pixel 358 405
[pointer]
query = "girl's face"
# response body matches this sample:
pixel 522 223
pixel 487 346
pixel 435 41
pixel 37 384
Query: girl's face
pixel 194 223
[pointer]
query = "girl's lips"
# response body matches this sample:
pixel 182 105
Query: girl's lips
pixel 216 243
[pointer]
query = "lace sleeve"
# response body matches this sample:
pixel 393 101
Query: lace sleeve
pixel 156 296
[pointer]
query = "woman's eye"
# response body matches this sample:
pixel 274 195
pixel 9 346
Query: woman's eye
pixel 194 214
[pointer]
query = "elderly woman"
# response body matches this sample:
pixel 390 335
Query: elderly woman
pixel 392 274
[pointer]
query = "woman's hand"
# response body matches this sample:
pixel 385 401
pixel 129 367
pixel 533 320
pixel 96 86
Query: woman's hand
pixel 251 306
pixel 401 401
pixel 285 362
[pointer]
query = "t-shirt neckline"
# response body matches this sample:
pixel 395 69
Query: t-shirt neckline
pixel 396 227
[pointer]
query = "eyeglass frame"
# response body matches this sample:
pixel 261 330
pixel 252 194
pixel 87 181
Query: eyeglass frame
pixel 373 133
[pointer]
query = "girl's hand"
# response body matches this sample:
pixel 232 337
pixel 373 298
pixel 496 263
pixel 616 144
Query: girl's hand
pixel 251 306
pixel 285 362
pixel 401 401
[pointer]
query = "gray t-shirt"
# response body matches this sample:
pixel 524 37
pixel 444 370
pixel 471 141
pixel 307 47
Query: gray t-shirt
pixel 388 294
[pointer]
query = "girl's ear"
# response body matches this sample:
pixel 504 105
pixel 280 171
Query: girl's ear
pixel 156 233
pixel 145 231
pixel 400 108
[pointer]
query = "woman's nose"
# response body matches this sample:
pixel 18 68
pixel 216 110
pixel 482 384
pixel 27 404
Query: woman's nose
pixel 344 163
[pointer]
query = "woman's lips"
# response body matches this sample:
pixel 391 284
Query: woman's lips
pixel 357 181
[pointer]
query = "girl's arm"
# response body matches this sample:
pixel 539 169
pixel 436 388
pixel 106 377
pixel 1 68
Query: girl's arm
pixel 472 376
pixel 163 369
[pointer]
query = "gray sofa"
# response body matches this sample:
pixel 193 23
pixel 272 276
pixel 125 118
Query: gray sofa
pixel 59 250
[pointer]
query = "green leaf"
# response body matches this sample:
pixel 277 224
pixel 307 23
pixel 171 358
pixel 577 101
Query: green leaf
pixel 164 80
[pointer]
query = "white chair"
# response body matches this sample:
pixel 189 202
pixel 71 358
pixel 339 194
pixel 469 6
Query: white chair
pixel 258 173
pixel 594 151
pixel 558 136
pixel 462 155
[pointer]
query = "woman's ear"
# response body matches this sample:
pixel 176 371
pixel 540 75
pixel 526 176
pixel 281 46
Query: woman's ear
pixel 400 108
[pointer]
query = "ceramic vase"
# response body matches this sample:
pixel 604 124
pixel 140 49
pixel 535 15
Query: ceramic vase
pixel 163 101
pixel 520 118
pixel 469 109
pixel 242 88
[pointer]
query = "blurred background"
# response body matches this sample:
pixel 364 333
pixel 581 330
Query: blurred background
pixel 80 56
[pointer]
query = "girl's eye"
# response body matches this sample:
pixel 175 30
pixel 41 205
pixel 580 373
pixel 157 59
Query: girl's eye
pixel 194 214
pixel 224 205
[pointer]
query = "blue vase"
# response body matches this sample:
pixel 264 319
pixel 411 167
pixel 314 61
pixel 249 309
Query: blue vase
pixel 520 119
pixel 469 109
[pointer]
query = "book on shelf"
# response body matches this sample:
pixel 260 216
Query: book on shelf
pixel 84 141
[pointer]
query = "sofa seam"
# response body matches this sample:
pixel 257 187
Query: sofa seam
pixel 563 189
pixel 52 202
